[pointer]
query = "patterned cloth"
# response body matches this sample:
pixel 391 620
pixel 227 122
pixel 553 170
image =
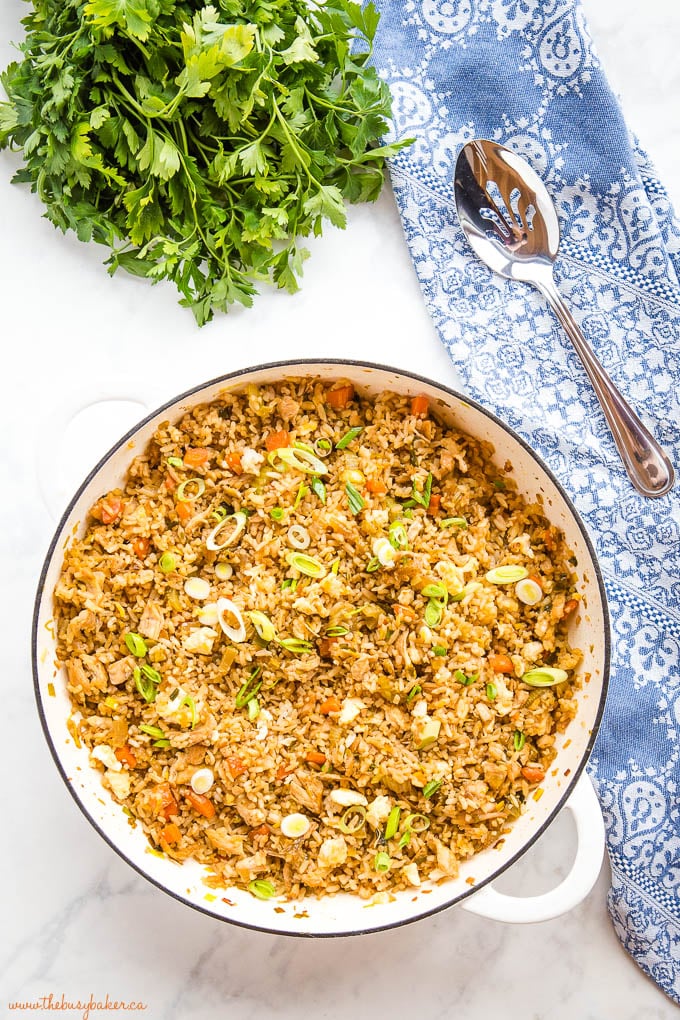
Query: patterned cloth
pixel 525 73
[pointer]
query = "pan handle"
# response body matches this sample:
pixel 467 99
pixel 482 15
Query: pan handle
pixel 574 888
pixel 56 483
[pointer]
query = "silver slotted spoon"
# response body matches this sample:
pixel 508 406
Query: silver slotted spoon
pixel 511 223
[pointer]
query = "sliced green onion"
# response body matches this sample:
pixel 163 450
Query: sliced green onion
pixel 405 839
pixel 335 565
pixel 434 610
pixel 298 537
pixel 323 447
pixel 219 513
pixel 460 676
pixel 249 689
pixel 413 693
pixel 261 888
pixel 146 687
pixel 392 823
pixel 181 494
pixel 191 705
pixel 545 676
pixel 348 437
pixel 439 650
pixel 353 819
pixel 240 519
pixel 175 462
pixel 499 484
pixel 223 570
pixel 356 500
pixel 162 743
pixel 508 574
pixel 491 692
pixel 373 565
pixel 435 591
pixel 167 563
pixel 151 674
pixel 417 822
pixel 454 522
pixel 253 709
pixel 262 624
pixel 518 740
pixel 382 862
pixel 289 582
pixel 319 489
pixel 397 535
pixel 303 491
pixel 153 731
pixel 301 460
pixel 295 645
pixel 297 445
pixel 226 611
pixel 431 788
pixel 136 644
pixel 423 498
pixel 277 513
pixel 337 631
pixel 306 564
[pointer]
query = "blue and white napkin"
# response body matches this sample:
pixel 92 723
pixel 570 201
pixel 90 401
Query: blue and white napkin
pixel 525 73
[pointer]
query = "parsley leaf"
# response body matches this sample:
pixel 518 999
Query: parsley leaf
pixel 199 142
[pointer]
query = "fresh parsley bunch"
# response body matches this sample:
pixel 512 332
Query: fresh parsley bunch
pixel 199 142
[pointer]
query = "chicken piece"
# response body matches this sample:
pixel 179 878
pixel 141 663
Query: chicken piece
pixel 223 841
pixel 249 867
pixel 288 408
pixel 495 774
pixel 84 623
pixel 251 814
pixel 87 676
pixel 307 790
pixel 121 670
pixel 151 623
pixel 118 783
pixel 446 860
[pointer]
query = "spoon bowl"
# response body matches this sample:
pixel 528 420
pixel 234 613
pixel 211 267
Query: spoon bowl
pixel 510 222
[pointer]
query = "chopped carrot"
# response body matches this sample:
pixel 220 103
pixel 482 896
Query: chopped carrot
pixel 108 509
pixel 261 830
pixel 501 663
pixel 569 607
pixel 330 705
pixel 326 647
pixel 434 505
pixel 184 511
pixel 233 462
pixel 163 801
pixel 549 537
pixel 375 486
pixel 140 547
pixel 533 774
pixel 283 771
pixel 420 406
pixel 171 833
pixel 196 457
pixel 340 397
pixel 202 804
pixel 536 579
pixel 170 482
pixel 277 440
pixel 235 765
pixel 125 756
pixel 315 758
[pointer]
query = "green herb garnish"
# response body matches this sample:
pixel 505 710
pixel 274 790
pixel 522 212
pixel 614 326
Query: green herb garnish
pixel 439 650
pixel 491 692
pixel 261 888
pixel 392 823
pixel 348 437
pixel 356 500
pixel 136 644
pixel 382 862
pixel 167 563
pixel 518 740
pixel 373 565
pixel 276 513
pixel 296 645
pixel 249 689
pixel 431 788
pixel 144 685
pixel 414 692
pixel 199 143
pixel 454 522
pixel 466 681
pixel 319 489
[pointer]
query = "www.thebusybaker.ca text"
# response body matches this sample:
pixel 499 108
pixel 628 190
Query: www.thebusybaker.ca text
pixel 83 1006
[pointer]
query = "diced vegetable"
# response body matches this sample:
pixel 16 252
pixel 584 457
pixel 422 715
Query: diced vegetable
pixel 349 437
pixel 185 511
pixel 329 706
pixel 277 440
pixel 375 487
pixel 340 397
pixel 382 862
pixel 315 758
pixel 235 765
pixel 140 547
pixel 109 509
pixel 307 565
pixel 533 774
pixel 136 644
pixel 126 756
pixel 233 462
pixel 319 489
pixel 433 505
pixel 196 457
pixel 491 692
pixel 203 805
pixel 454 522
pixel 392 822
pixel 518 740
pixel 164 800
pixel 508 574
pixel 431 788
pixel 420 406
pixel 171 833
pixel 545 676
pixel 356 500
pixel 262 889
pixel 501 663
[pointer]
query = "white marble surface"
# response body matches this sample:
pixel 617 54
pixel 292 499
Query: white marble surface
pixel 76 919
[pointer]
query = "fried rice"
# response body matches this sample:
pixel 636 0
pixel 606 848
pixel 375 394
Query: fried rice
pixel 290 652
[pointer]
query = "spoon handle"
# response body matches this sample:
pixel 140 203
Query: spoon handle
pixel 648 467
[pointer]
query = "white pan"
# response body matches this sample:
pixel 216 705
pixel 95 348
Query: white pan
pixel 347 915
